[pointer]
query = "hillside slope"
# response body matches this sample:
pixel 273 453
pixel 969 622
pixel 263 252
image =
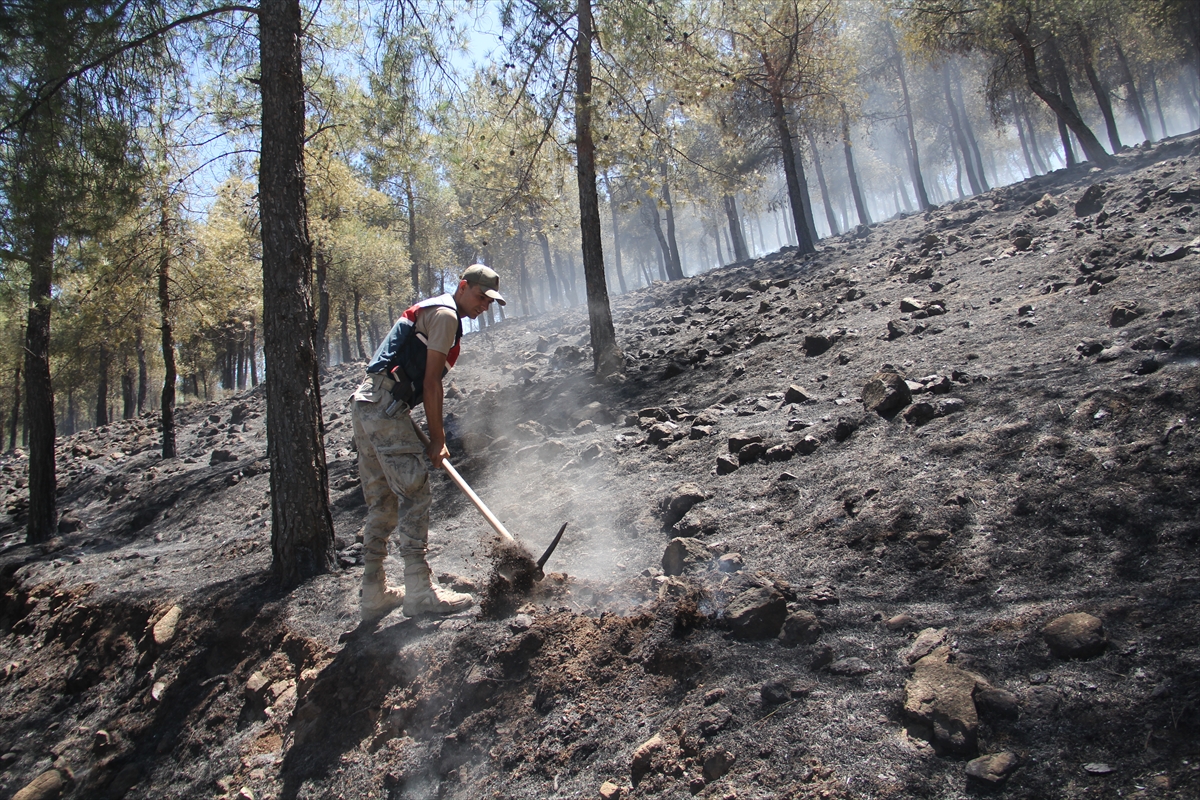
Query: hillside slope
pixel 870 564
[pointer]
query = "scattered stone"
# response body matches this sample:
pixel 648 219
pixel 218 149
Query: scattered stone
pixel 800 627
pixel 221 457
pixel 685 555
pixel 1123 314
pixel 894 331
pixel 995 768
pixel 900 622
pixel 730 563
pixel 1098 768
pixel 850 667
pixel 910 304
pixel 610 791
pixel 714 720
pixel 739 440
pixel 752 452
pixel 164 629
pixel 886 393
pixel 919 413
pixel 993 702
pixel 844 429
pixel 47 786
pixel 926 642
pixel 938 697
pixel 1078 635
pixel 1170 252
pixel 824 595
pixel 713 696
pixel 1089 347
pixel 717 763
pixel 1091 202
pixel 816 344
pixel 775 692
pixel 1045 207
pixel 643 757
pixel 756 613
pixel 727 464
pixel 795 394
pixel 806 446
pixel 681 499
pixel 698 521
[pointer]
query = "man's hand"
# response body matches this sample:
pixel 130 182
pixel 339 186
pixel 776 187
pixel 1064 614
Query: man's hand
pixel 436 452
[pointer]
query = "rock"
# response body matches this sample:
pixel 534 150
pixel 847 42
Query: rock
pixel 739 440
pixel 900 622
pixel 610 791
pixel 1078 635
pixel 1091 202
pixel 775 692
pixel 800 627
pixel 795 394
pixel 995 768
pixel 730 563
pixel 919 413
pixel 923 274
pixel 643 757
pixel 886 393
pixel 816 344
pixel 47 786
pixel 1045 207
pixel 662 433
pixel 714 720
pixel 685 555
pixel 727 464
pixel 947 406
pixel 939 697
pixel 594 412
pixel 256 688
pixel 752 452
pixel 849 667
pixel 910 304
pixel 164 629
pixel 1123 314
pixel 894 331
pixel 925 643
pixel 756 613
pixel 697 522
pixel 844 429
pixel 1089 347
pixel 1170 252
pixel 681 499
pixel 993 702
pixel 779 452
pixel 717 763
pixel 221 457
pixel 806 446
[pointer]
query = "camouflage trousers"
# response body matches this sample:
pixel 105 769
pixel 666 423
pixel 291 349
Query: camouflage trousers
pixel 395 482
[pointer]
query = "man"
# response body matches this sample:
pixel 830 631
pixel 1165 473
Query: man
pixel 405 371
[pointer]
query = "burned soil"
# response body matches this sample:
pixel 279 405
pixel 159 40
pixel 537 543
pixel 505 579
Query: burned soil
pixel 915 516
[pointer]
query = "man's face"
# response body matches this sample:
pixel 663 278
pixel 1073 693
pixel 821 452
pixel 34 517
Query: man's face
pixel 475 301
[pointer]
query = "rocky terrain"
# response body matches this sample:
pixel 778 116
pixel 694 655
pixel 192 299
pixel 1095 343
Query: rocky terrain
pixel 915 516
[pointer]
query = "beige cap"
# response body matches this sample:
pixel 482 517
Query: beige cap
pixel 485 278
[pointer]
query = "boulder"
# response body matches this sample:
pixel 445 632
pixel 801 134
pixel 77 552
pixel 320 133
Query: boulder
pixel 886 393
pixel 756 613
pixel 1078 635
pixel 994 768
pixel 800 627
pixel 685 555
pixel 939 698
pixel 681 499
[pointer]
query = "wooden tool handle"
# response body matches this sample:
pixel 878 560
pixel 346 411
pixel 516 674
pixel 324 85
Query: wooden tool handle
pixel 468 491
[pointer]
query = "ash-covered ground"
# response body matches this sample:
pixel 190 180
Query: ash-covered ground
pixel 847 524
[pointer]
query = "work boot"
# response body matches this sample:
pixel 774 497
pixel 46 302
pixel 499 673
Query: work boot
pixel 422 597
pixel 377 597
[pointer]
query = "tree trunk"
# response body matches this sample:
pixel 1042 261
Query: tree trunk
pixel 1035 146
pixel 167 411
pixel 415 270
pixel 39 392
pixel 102 364
pixel 829 215
pixel 960 139
pixel 1132 96
pixel 737 240
pixel 1162 120
pixel 616 231
pixel 1091 146
pixel 551 281
pixel 969 131
pixel 914 158
pixel 860 205
pixel 1021 133
pixel 1099 89
pixel 128 395
pixel 301 526
pixel 322 336
pixel 253 348
pixel 358 339
pixel 654 223
pixel 796 194
pixel 674 263
pixel 716 234
pixel 16 413
pixel 71 413
pixel 344 321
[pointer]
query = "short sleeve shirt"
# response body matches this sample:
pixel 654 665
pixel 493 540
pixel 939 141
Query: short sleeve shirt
pixel 439 325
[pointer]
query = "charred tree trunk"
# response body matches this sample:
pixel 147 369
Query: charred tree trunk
pixel 654 223
pixel 674 263
pixel 616 230
pixel 143 372
pixel 128 395
pixel 973 153
pixel 860 205
pixel 301 525
pixel 797 194
pixel 914 157
pixel 253 350
pixel 736 238
pixel 167 411
pixel 358 337
pixel 551 280
pixel 1162 120
pixel 960 139
pixel 1132 96
pixel 16 409
pixel 415 269
pixel 1021 133
pixel 344 322
pixel 1099 89
pixel 1091 146
pixel 322 335
pixel 102 363
pixel 829 215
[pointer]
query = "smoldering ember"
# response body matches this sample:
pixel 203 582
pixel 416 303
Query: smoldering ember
pixel 912 516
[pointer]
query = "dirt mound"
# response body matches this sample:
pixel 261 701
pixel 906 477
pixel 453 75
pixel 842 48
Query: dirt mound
pixel 912 516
